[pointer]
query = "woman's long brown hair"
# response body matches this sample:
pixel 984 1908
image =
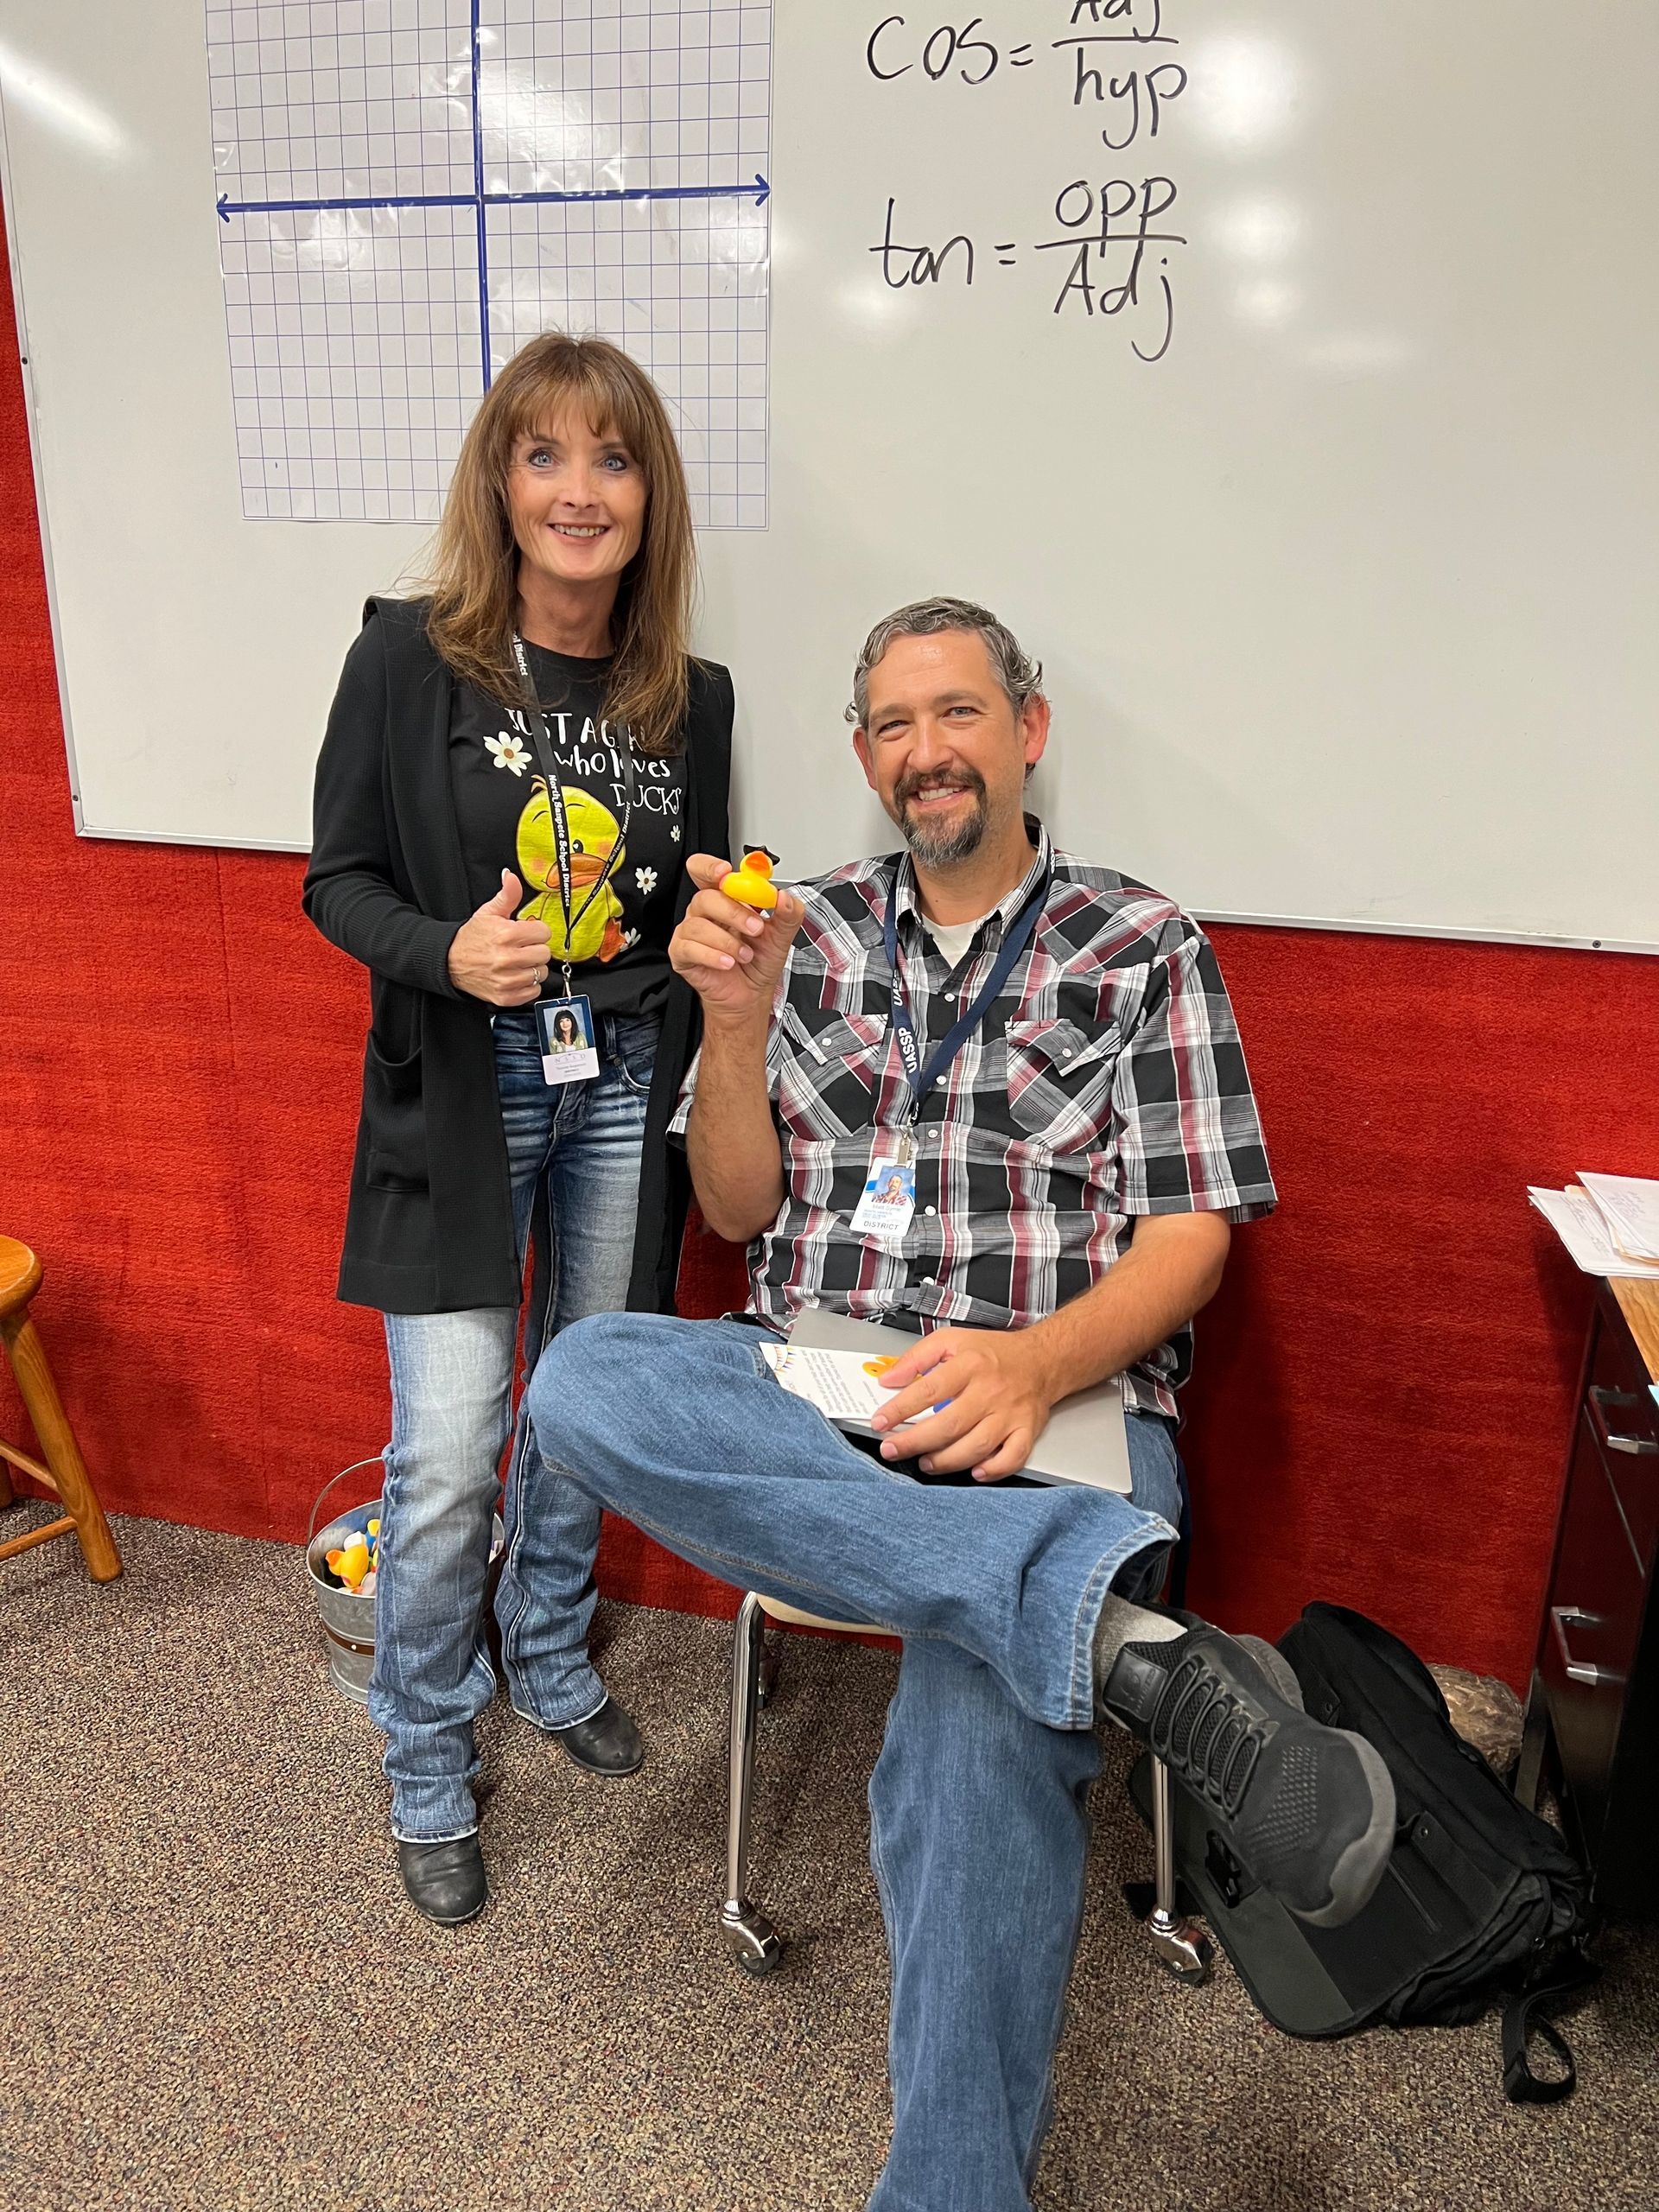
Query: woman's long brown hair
pixel 473 578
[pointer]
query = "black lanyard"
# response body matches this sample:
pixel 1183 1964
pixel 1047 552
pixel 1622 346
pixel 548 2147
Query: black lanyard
pixel 1020 932
pixel 561 820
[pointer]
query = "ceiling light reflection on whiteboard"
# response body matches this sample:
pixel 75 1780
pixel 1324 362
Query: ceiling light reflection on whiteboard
pixel 875 306
pixel 1361 352
pixel 60 107
pixel 1243 91
pixel 1261 230
pixel 1269 304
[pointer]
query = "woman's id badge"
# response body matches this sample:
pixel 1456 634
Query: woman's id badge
pixel 889 1198
pixel 569 1053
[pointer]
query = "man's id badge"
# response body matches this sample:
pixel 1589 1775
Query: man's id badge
pixel 569 1053
pixel 889 1198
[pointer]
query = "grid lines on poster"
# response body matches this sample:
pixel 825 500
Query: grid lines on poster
pixel 409 189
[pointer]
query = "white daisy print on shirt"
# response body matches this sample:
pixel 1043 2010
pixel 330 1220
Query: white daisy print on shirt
pixel 509 752
pixel 646 879
pixel 674 832
pixel 630 937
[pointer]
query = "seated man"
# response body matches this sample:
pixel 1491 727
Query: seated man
pixel 1048 1050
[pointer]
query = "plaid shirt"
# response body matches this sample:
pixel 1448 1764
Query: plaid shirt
pixel 1108 1081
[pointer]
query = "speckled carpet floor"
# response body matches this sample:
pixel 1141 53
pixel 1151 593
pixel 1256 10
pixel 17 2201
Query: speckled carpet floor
pixel 213 1996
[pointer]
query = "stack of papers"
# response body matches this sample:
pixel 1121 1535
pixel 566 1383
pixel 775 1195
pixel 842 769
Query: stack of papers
pixel 1629 1205
pixel 1606 1234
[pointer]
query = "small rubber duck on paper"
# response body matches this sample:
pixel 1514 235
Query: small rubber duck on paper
pixel 752 884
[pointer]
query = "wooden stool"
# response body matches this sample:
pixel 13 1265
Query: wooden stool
pixel 65 1473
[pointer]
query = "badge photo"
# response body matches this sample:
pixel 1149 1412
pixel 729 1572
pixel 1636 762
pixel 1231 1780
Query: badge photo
pixel 569 1053
pixel 889 1198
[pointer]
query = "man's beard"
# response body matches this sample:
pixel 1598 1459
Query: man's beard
pixel 939 846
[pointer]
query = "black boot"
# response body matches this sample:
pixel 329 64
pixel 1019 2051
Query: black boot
pixel 444 1880
pixel 606 1742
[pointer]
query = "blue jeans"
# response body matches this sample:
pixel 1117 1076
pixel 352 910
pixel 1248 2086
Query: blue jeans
pixel 979 1826
pixel 451 1400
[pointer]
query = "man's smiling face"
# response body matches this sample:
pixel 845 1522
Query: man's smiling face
pixel 943 748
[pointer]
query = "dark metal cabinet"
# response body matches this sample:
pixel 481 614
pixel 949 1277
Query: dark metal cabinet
pixel 1594 1708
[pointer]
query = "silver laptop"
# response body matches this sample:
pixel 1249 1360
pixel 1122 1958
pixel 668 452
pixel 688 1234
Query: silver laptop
pixel 1085 1441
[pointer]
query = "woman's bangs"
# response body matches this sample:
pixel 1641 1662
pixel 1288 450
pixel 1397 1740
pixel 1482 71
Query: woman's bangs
pixel 611 405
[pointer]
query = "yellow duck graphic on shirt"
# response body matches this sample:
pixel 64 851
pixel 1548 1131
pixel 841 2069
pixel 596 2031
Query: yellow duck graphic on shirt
pixel 594 834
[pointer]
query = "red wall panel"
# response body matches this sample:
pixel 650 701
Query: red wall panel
pixel 1383 1386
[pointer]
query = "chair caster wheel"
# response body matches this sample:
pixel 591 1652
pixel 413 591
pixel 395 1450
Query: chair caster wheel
pixel 1192 1976
pixel 751 1940
pixel 1182 1951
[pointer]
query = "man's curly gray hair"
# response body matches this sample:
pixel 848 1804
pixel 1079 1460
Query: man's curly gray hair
pixel 1021 677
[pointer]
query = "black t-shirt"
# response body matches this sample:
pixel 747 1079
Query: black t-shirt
pixel 618 944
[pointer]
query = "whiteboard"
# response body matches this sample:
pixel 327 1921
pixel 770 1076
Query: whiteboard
pixel 1346 602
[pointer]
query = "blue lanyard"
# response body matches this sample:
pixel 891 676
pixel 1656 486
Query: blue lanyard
pixel 922 1079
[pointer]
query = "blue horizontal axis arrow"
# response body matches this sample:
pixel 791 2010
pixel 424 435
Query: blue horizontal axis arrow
pixel 228 206
pixel 760 189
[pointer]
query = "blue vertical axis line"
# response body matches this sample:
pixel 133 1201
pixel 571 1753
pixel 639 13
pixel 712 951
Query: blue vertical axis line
pixel 477 191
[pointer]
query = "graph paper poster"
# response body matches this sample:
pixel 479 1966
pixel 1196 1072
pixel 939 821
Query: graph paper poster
pixel 408 190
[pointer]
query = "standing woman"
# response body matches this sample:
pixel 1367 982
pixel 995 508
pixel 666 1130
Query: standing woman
pixel 516 765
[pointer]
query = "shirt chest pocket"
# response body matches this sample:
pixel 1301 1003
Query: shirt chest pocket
pixel 1060 1079
pixel 828 1072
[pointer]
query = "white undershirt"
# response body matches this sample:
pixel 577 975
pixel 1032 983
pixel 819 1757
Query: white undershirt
pixel 954 939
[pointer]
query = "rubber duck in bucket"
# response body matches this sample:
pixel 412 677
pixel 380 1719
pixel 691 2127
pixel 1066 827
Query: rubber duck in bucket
pixel 355 1565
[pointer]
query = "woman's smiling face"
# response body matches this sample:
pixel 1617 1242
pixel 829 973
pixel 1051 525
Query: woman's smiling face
pixel 576 500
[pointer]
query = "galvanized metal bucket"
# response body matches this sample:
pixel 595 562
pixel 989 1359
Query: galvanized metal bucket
pixel 347 1616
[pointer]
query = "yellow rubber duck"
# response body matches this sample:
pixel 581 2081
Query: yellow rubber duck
pixel 593 834
pixel 752 884
pixel 351 1563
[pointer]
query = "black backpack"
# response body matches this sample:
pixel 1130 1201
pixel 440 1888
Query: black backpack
pixel 1481 1901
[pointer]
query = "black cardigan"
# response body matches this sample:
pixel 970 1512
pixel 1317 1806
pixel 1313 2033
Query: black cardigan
pixel 429 1228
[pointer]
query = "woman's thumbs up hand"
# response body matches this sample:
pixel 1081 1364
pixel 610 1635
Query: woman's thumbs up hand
pixel 497 958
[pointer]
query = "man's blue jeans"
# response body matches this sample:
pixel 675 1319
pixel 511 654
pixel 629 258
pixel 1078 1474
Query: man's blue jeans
pixel 451 1398
pixel 979 1830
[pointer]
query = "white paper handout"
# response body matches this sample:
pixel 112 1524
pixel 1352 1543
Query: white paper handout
pixel 844 1386
pixel 1630 1208
pixel 1575 1217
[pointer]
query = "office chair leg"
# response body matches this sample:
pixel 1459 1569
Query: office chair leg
pixel 748 1935
pixel 771 1661
pixel 1180 1946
